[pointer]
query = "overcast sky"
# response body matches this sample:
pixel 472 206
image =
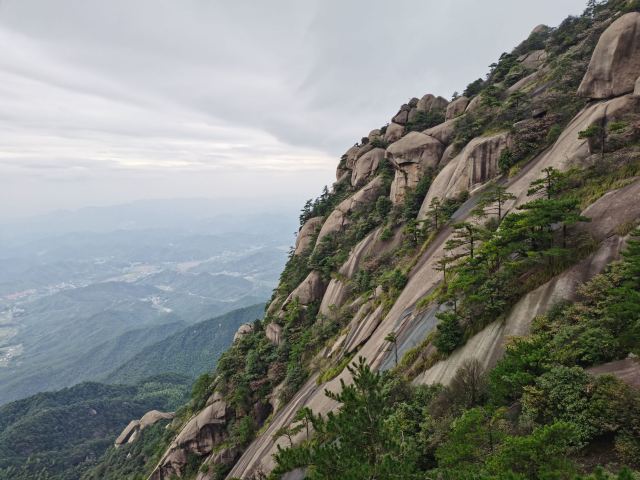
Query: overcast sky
pixel 105 102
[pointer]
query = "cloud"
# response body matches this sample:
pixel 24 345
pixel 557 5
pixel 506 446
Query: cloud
pixel 95 91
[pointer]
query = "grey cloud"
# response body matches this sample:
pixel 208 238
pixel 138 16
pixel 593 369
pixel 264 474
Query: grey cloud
pixel 279 86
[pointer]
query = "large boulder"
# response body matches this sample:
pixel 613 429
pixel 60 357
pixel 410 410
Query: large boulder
pixel 475 165
pixel 394 132
pixel 411 156
pixel 339 219
pixel 154 416
pixel 615 63
pixel 402 116
pixel 205 430
pixel 350 156
pixel 244 329
pixel 456 107
pixel 306 234
pixel 430 102
pixel 443 132
pixel 365 166
pixel 132 431
pixel 310 290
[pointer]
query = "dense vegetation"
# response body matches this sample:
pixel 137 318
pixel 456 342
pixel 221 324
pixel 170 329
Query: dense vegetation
pixel 58 435
pixel 189 352
pixel 537 415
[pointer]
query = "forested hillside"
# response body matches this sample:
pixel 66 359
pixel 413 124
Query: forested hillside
pixel 58 435
pixel 189 352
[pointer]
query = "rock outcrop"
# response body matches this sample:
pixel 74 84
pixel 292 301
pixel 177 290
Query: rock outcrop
pixel 132 431
pixel 411 156
pixel 533 60
pixel 369 249
pixel 307 232
pixel 310 290
pixel 429 103
pixel 243 330
pixel 198 437
pixel 615 64
pixel 393 133
pixel 273 331
pixel 475 165
pixel 443 132
pixel 456 107
pixel 366 166
pixel 338 220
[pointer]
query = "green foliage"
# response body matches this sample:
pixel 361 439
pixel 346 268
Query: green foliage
pixel 206 340
pixel 424 120
pixel 449 334
pixel 361 440
pixel 474 88
pixel 60 435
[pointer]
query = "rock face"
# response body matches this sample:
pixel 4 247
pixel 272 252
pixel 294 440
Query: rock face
pixel 132 431
pixel 338 220
pixel 615 63
pixel 443 132
pixel 411 156
pixel 199 436
pixel 370 248
pixel 475 165
pixel 310 290
pixel 533 60
pixel 366 166
pixel 306 234
pixel 430 103
pixel 274 333
pixel 627 370
pixel 394 132
pixel 457 107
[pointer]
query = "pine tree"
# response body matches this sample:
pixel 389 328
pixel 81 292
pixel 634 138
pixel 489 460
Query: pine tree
pixel 493 201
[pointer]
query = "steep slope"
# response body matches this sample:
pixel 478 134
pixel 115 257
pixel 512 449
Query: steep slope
pixel 450 232
pixel 188 352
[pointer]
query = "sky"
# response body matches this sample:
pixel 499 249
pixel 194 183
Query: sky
pixel 107 102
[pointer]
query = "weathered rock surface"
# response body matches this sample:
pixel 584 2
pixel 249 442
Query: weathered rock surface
pixel 369 249
pixel 430 103
pixel 488 345
pixel 411 156
pixel 402 117
pixel 456 107
pixel 243 330
pixel 533 60
pixel 366 166
pixel 362 326
pixel 306 234
pixel 273 332
pixel 310 290
pixel 615 63
pixel 154 416
pixel 129 430
pixel 415 147
pixel 475 165
pixel 338 220
pixel 394 132
pixel 627 370
pixel 199 436
pixel 442 132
